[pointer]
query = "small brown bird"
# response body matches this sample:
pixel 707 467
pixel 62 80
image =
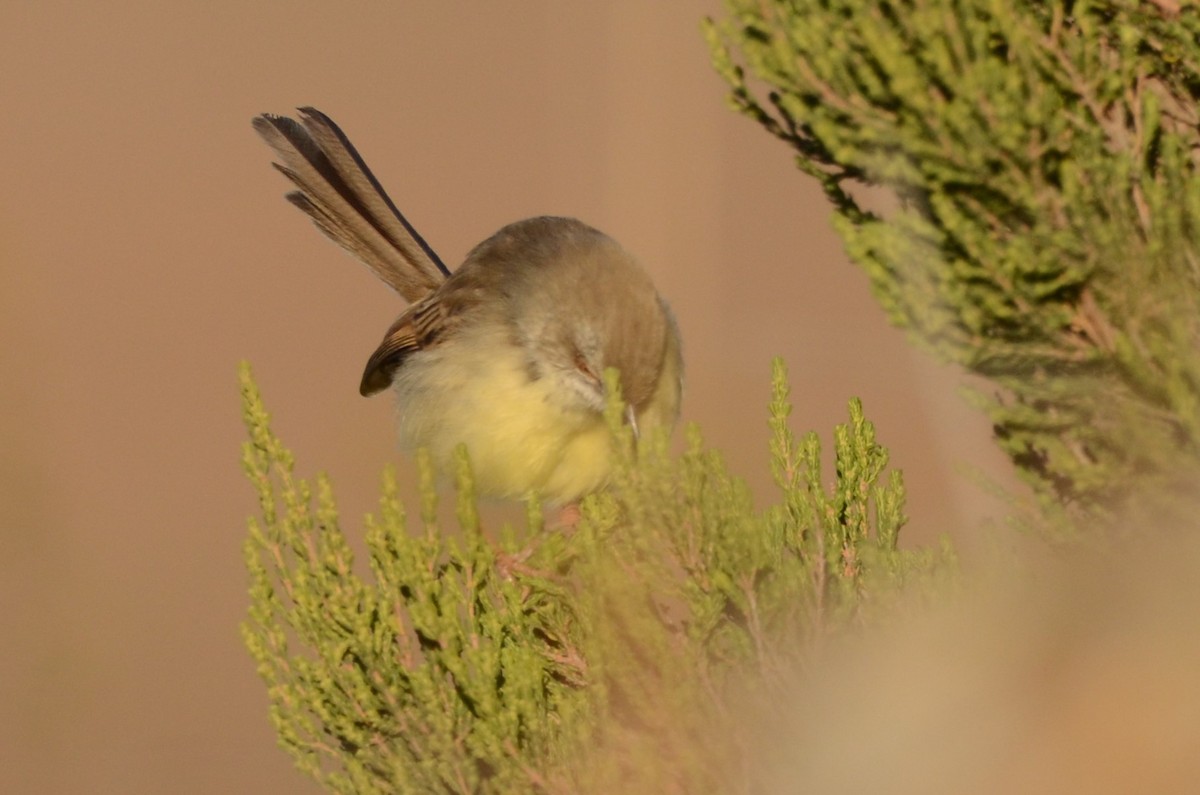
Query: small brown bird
pixel 507 354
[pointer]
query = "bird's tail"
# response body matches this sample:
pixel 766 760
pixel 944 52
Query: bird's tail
pixel 347 203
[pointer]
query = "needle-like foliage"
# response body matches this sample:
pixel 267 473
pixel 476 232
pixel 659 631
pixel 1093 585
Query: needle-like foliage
pixel 633 653
pixel 1043 227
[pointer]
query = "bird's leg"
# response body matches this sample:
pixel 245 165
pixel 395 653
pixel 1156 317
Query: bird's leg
pixel 568 516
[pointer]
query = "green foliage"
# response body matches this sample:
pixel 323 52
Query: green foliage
pixel 1042 161
pixel 636 653
pixel 432 675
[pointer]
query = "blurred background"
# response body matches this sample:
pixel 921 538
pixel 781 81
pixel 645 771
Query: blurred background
pixel 145 248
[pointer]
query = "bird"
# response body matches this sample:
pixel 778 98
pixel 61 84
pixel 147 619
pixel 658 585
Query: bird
pixel 505 355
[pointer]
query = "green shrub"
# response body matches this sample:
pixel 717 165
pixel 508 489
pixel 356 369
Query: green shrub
pixel 1041 164
pixel 626 655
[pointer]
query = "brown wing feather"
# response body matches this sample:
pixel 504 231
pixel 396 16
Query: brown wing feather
pixel 421 326
pixel 397 344
pixel 427 323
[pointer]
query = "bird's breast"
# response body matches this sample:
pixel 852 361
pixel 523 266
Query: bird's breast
pixel 477 390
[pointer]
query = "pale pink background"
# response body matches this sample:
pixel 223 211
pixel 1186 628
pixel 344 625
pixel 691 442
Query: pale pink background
pixel 145 249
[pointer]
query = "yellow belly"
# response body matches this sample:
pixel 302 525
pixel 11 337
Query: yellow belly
pixel 520 438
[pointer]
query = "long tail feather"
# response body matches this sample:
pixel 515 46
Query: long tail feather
pixel 347 203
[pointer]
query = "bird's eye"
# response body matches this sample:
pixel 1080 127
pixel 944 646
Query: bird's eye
pixel 581 364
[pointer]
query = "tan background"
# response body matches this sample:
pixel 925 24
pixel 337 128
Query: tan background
pixel 145 249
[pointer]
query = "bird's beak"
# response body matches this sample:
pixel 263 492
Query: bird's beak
pixel 631 418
